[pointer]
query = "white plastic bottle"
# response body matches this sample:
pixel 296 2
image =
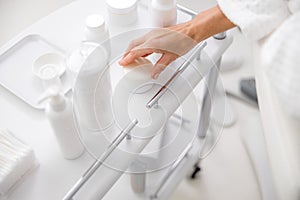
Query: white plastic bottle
pixel 95 29
pixel 78 57
pixel 163 13
pixel 92 92
pixel 95 33
pixel 59 113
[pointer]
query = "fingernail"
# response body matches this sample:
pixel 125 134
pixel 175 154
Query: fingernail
pixel 121 62
pixel 155 76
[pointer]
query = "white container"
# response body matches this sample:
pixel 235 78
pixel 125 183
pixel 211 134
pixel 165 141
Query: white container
pixel 48 68
pixel 78 57
pixel 163 13
pixel 95 29
pixel 138 176
pixel 92 92
pixel 138 75
pixel 122 12
pixel 60 115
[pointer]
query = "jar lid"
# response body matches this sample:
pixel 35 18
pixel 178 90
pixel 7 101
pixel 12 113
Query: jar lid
pixel 121 6
pixel 95 22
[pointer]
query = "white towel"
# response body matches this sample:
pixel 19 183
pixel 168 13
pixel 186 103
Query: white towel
pixel 280 20
pixel 281 58
pixel 255 18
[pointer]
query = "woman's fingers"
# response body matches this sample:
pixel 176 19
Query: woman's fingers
pixel 133 44
pixel 133 54
pixel 162 63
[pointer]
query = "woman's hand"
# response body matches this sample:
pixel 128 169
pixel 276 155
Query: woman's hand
pixel 177 40
pixel 170 42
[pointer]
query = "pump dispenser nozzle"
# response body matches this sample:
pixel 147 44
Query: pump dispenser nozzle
pixel 57 99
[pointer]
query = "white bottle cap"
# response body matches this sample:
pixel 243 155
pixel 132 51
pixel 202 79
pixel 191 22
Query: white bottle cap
pixel 95 23
pixel 121 6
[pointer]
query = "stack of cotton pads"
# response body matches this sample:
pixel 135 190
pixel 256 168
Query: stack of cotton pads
pixel 16 160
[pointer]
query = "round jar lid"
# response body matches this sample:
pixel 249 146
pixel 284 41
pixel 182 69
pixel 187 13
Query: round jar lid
pixel 121 6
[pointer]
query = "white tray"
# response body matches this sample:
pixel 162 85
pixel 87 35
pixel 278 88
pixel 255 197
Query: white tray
pixel 16 69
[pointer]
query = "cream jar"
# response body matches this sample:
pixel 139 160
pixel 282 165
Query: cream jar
pixel 138 75
pixel 122 12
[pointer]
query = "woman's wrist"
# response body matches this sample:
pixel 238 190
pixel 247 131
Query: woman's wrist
pixel 208 23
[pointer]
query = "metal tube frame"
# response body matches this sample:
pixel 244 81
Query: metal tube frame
pixel 181 69
pixel 206 106
pixel 93 168
pixel 204 120
pixel 171 170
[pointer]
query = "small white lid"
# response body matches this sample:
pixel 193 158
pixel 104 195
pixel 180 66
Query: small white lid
pixel 121 6
pixel 48 71
pixel 49 60
pixel 96 22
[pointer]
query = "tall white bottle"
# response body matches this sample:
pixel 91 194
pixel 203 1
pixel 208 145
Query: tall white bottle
pixel 60 115
pixel 163 13
pixel 92 92
pixel 92 84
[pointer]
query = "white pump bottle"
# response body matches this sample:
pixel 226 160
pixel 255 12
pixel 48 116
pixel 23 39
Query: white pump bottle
pixel 59 113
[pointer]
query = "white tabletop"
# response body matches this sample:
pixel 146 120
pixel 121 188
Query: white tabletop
pixel 55 175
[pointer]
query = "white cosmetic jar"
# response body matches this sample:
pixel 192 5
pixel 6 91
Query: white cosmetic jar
pixel 122 12
pixel 138 75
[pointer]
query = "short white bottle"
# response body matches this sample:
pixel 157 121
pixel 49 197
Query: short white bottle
pixel 59 113
pixel 163 13
pixel 96 31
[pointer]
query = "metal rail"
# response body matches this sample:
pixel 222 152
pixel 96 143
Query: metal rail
pixel 182 67
pixel 187 10
pixel 92 169
pixel 171 170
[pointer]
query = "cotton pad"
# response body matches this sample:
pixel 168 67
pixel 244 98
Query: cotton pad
pixel 16 160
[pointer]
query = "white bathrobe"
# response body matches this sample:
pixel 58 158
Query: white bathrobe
pixel 276 25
